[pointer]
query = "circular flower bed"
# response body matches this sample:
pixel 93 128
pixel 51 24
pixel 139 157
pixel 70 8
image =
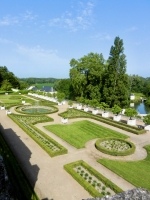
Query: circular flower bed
pixel 115 147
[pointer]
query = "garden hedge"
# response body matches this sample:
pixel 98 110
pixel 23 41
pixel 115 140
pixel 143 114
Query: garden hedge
pixel 120 125
pixel 21 185
pixel 62 150
pixel 87 186
pixel 115 153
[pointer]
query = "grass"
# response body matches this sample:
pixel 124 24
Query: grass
pixel 78 133
pixel 15 99
pixel 135 172
pixel 40 85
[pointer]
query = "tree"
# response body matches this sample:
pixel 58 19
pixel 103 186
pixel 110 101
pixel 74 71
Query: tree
pixel 103 106
pixel 116 82
pixel 70 103
pixel 116 109
pixel 131 112
pixel 86 76
pixel 146 119
pixel 60 96
pixel 6 85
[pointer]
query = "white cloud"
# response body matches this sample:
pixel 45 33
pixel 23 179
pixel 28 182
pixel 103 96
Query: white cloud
pixel 133 28
pixel 5 41
pixel 81 18
pixel 6 21
pixel 101 36
pixel 29 16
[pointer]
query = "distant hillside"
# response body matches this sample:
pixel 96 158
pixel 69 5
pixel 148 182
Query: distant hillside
pixel 36 81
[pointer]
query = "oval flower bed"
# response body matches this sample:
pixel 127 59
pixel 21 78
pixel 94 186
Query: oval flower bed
pixel 115 147
pixel 94 182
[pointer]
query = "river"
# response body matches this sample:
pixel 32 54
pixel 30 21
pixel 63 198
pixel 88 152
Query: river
pixel 142 108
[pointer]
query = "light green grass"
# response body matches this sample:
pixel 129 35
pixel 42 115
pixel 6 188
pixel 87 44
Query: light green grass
pixel 78 133
pixel 15 99
pixel 135 172
pixel 40 85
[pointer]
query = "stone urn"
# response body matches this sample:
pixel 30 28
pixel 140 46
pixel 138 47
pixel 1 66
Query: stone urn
pixel 79 107
pixel 95 112
pixel 86 109
pixel 64 120
pixel 2 107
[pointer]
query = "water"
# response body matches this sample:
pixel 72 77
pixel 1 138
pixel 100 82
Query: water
pixel 35 110
pixel 142 108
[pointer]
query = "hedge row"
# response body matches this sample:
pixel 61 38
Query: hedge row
pixel 62 150
pixel 21 185
pixel 120 125
pixel 115 153
pixel 87 186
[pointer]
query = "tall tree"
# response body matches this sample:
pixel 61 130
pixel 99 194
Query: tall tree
pixel 116 84
pixel 86 75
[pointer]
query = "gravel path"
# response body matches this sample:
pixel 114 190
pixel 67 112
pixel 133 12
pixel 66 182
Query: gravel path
pixel 47 175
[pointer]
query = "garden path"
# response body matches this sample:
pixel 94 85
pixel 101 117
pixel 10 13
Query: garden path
pixel 53 181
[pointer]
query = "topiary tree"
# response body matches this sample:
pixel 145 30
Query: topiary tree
pixel 94 103
pixel 146 119
pixel 70 103
pixel 60 96
pixel 116 109
pixel 131 112
pixel 103 106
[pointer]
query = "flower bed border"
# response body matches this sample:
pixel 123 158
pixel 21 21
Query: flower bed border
pixel 120 125
pixel 62 150
pixel 115 153
pixel 87 186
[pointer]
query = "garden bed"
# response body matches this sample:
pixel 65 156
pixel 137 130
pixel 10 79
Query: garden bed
pixel 115 147
pixel 52 147
pixel 94 182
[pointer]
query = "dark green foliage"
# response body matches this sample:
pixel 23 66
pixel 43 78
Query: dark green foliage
pixel 5 74
pixel 86 76
pixel 131 112
pixel 146 119
pixel 116 83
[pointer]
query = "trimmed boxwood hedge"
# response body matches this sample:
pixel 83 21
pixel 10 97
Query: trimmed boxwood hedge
pixel 87 186
pixel 62 150
pixel 20 183
pixel 120 125
pixel 115 153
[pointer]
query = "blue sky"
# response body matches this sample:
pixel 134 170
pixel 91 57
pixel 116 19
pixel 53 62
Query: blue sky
pixel 39 38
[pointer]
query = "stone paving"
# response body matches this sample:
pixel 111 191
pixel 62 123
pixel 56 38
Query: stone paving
pixel 47 175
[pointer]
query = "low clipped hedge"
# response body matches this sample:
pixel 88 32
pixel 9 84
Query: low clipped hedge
pixel 62 150
pixel 21 186
pixel 115 153
pixel 87 186
pixel 120 125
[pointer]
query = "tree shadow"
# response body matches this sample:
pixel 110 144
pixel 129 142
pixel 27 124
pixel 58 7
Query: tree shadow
pixel 22 174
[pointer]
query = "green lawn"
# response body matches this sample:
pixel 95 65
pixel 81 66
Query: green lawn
pixel 135 172
pixel 16 99
pixel 78 133
pixel 40 85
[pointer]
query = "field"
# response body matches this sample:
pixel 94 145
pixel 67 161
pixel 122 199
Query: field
pixel 136 172
pixel 40 85
pixel 78 133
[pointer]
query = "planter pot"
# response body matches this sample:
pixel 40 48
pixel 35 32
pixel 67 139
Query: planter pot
pixel 59 103
pixel 2 107
pixel 64 120
pixel 131 122
pixel 23 102
pixel 123 111
pixel 132 105
pixel 86 109
pixel 70 106
pixel 64 102
pixel 94 112
pixel 147 127
pixel 117 118
pixel 8 112
pixel 6 93
pixel 105 114
pixel 79 107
